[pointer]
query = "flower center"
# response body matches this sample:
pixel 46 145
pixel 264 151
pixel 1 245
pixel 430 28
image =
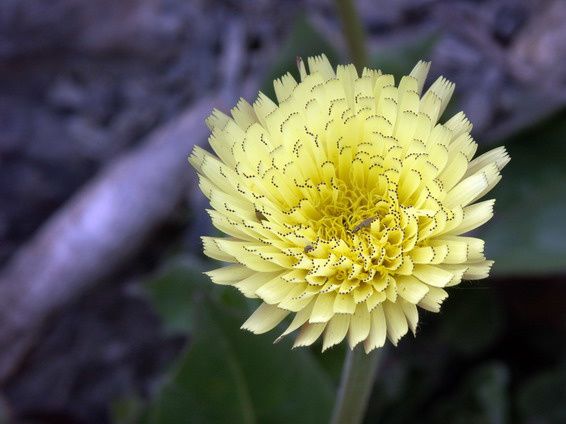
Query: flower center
pixel 361 235
pixel 347 211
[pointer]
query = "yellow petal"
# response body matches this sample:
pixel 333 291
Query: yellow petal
pixel 274 291
pixel 432 275
pixel 375 299
pixel 243 114
pixel 299 319
pixel 211 249
pixel 474 216
pixel 412 315
pixel 263 106
pixel 217 119
pixel 284 87
pixel 433 299
pixel 265 318
pixel 229 274
pixel 499 156
pixel 249 285
pixel 466 191
pixel 419 72
pixel 443 89
pixel 321 65
pixel 308 334
pixel 359 326
pixel 459 124
pixel 478 270
pixel 411 289
pixel 344 304
pixel 323 308
pixel 397 325
pixel 378 330
pixel 336 330
pixel 245 253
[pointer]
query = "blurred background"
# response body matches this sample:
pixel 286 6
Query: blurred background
pixel 105 316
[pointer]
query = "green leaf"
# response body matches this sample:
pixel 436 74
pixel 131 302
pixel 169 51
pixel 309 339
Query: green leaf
pixel 541 399
pixel 171 293
pixel 228 375
pixel 126 410
pixel 527 235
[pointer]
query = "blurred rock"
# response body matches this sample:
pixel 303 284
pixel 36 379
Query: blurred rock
pixel 509 19
pixel 540 49
pixel 136 26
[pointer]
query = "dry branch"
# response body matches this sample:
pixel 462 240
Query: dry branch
pixel 109 219
pixel 96 230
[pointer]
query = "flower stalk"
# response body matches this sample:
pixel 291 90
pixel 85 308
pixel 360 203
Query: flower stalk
pixel 358 375
pixel 353 32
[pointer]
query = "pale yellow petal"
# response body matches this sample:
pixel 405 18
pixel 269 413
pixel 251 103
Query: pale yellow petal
pixel 321 65
pixel 466 191
pixel 459 124
pixel 420 72
pixel 432 275
pixel 411 313
pixel 274 291
pixel 309 334
pixel 265 318
pixel 323 308
pixel 344 304
pixel 477 271
pixel 359 326
pixel 300 318
pixel 378 330
pixel 217 119
pixel 249 285
pixel 433 299
pixel 212 250
pixel 498 156
pixel 443 89
pixel 411 289
pixel 284 87
pixel 336 330
pixel 244 114
pixel 230 274
pixel 397 325
pixel 474 216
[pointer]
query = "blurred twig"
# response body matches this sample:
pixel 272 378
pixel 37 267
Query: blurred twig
pixel 106 222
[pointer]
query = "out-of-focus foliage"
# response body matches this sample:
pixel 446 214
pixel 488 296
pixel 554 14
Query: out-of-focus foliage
pixel 541 399
pixel 225 375
pixel 304 41
pixel 171 295
pixel 471 320
pixel 528 235
pixel 481 398
pixel 400 58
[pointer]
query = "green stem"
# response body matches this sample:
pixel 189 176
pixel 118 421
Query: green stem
pixel 353 32
pixel 356 383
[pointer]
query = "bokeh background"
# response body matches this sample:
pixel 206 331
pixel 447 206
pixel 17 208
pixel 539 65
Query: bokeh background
pixel 105 316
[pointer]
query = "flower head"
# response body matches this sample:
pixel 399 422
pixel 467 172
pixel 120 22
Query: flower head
pixel 346 203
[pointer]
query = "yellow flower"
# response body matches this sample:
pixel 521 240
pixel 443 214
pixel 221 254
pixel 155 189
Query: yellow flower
pixel 345 204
